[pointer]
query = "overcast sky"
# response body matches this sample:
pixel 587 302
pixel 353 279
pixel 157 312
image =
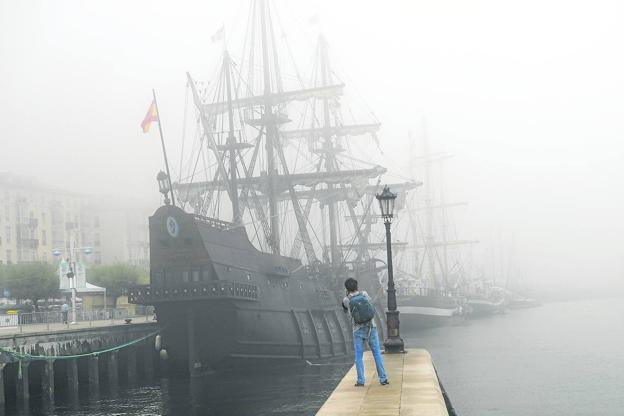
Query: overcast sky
pixel 527 96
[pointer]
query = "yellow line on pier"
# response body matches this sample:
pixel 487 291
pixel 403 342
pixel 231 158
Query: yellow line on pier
pixel 414 389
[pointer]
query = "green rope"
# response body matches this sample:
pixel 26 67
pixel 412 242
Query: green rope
pixel 29 357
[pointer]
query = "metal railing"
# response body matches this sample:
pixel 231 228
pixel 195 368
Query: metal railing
pixel 47 318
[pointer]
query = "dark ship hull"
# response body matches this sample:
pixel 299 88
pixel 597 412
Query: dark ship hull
pixel 220 300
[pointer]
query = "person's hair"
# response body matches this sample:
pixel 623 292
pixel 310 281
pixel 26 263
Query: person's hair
pixel 351 284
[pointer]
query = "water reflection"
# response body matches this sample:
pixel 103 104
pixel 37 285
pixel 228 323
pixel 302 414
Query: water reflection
pixel 297 389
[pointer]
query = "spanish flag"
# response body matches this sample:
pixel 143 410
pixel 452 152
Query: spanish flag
pixel 152 115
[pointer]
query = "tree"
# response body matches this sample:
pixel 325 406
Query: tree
pixel 118 277
pixel 4 272
pixel 32 281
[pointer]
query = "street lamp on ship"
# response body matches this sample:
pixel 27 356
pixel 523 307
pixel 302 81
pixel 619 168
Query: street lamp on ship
pixel 163 185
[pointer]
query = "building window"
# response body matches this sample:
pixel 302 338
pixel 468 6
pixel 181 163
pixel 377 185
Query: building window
pixel 44 238
pixel 185 276
pixel 8 234
pixel 196 275
pixel 9 260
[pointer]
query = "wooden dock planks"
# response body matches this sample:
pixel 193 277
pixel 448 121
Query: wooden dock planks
pixel 414 389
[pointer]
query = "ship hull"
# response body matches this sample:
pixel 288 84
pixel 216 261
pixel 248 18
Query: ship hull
pixel 428 311
pixel 484 307
pixel 206 336
pixel 220 301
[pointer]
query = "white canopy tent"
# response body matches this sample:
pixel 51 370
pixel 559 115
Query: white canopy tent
pixel 89 289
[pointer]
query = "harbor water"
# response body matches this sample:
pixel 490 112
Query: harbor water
pixel 562 358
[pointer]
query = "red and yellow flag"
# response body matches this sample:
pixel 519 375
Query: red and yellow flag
pixel 152 115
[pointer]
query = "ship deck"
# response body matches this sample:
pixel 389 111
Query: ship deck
pixel 414 389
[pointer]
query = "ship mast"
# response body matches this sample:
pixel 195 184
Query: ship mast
pixel 261 180
pixel 270 124
pixel 231 143
pixel 431 245
pixel 330 155
pixel 429 249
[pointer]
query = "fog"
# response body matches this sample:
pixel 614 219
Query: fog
pixel 528 98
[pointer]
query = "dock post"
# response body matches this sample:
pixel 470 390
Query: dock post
pixel 194 364
pixel 21 386
pixel 113 376
pixel 94 376
pixel 2 398
pixel 131 365
pixel 72 379
pixel 148 360
pixel 47 381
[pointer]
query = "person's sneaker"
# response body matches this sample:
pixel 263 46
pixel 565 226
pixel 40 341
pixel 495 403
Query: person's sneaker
pixel 359 384
pixel 385 382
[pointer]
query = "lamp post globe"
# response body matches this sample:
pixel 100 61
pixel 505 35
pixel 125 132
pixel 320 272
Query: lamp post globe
pixel 393 342
pixel 386 203
pixel 163 185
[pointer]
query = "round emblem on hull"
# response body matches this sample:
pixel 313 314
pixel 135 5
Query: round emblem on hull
pixel 172 227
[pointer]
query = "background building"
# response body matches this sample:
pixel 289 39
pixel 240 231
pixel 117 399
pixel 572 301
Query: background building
pixel 120 233
pixel 37 221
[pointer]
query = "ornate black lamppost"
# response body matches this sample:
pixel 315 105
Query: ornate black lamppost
pixel 163 185
pixel 393 343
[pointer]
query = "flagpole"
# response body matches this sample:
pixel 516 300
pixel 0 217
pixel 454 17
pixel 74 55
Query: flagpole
pixel 162 141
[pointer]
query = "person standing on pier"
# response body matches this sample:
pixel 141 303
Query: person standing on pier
pixel 65 311
pixel 362 312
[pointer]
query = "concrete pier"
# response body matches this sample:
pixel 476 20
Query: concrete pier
pixel 414 389
pixel 19 374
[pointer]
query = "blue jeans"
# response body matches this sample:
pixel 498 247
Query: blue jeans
pixel 370 334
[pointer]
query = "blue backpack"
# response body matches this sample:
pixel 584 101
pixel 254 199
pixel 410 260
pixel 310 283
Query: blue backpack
pixel 361 309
